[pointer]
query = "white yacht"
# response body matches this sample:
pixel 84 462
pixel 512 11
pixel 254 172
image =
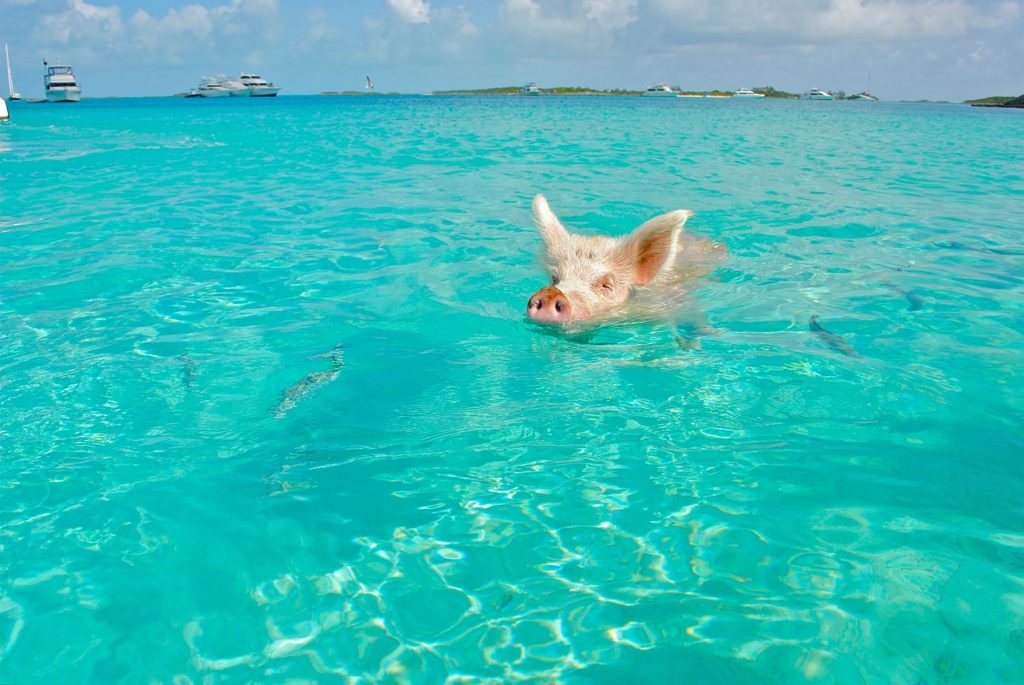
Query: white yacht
pixel 11 93
pixel 258 86
pixel 530 89
pixel 817 94
pixel 747 94
pixel 59 84
pixel 660 90
pixel 212 88
pixel 236 87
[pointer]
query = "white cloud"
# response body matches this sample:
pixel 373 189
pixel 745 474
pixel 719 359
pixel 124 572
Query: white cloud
pixel 172 34
pixel 459 30
pixel 102 24
pixel 824 21
pixel 320 30
pixel 610 15
pixel 567 24
pixel 96 32
pixel 450 34
pixel 412 11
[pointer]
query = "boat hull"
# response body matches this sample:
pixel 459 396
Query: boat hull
pixel 816 94
pixel 64 94
pixel 263 91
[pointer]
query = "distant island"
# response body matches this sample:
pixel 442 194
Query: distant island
pixel 998 101
pixel 516 90
pixel 355 92
pixel 767 91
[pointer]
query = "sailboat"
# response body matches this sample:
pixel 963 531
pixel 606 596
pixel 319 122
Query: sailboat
pixel 369 83
pixel 11 93
pixel 865 94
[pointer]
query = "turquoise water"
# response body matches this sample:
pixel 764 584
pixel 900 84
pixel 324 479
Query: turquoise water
pixel 270 410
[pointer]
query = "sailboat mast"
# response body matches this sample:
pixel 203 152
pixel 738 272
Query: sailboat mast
pixel 10 81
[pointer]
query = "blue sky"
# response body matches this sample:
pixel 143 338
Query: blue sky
pixel 901 49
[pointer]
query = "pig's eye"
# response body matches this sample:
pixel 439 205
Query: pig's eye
pixel 606 285
pixel 555 279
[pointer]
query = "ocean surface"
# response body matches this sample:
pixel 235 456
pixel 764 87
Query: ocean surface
pixel 271 411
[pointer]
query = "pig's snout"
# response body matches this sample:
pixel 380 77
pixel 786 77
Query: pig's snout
pixel 549 305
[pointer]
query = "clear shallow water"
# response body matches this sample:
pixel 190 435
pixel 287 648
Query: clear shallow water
pixel 200 485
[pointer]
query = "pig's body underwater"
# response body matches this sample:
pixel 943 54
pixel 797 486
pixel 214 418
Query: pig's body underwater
pixel 599 278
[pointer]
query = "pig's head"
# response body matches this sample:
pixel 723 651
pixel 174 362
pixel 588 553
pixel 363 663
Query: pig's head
pixel 592 276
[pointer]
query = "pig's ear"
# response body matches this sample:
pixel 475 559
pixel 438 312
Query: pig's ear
pixel 652 247
pixel 551 229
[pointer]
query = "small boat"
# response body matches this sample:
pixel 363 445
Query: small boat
pixel 747 94
pixel 660 90
pixel 11 93
pixel 817 94
pixel 59 83
pixel 865 96
pixel 258 86
pixel 3 110
pixel 530 89
pixel 212 88
pixel 369 83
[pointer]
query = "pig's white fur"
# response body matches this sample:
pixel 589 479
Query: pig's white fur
pixel 598 273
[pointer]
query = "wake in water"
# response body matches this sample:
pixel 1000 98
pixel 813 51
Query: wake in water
pixel 297 392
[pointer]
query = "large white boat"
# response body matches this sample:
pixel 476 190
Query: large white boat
pixel 212 88
pixel 660 90
pixel 530 89
pixel 11 93
pixel 747 94
pixel 258 86
pixel 236 87
pixel 817 94
pixel 60 84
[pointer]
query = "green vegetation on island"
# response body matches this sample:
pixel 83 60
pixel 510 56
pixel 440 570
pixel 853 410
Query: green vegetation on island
pixel 576 90
pixel 998 101
pixel 703 93
pixel 767 91
pixel 770 92
pixel 516 90
pixel 991 100
pixel 354 92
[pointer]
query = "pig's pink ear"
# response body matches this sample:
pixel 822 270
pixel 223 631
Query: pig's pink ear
pixel 551 229
pixel 652 247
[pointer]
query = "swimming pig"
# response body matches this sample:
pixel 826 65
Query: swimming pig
pixel 595 278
